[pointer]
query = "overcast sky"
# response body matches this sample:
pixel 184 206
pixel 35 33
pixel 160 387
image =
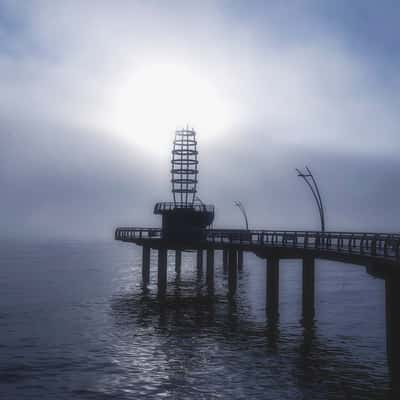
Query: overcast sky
pixel 92 92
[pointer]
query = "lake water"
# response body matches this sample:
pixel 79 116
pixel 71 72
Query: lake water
pixel 75 323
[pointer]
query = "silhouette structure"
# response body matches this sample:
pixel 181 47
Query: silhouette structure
pixel 187 217
pixel 185 227
pixel 312 184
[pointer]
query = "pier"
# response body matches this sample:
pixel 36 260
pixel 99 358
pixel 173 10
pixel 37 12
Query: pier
pixel 378 253
pixel 186 226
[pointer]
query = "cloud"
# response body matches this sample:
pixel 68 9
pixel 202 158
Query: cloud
pixel 269 88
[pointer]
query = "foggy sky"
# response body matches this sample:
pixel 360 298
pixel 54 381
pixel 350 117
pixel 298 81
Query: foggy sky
pixel 310 83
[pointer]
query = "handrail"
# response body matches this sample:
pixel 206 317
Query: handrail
pixel 382 245
pixel 169 206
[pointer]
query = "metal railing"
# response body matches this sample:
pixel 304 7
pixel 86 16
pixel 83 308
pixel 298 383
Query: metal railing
pixel 159 208
pixel 129 234
pixel 351 243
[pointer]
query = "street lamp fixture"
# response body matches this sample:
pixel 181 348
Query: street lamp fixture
pixel 312 184
pixel 239 205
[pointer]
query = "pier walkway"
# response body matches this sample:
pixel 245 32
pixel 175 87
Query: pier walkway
pixel 378 252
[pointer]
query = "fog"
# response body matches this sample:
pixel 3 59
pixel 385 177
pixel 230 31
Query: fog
pixel 85 137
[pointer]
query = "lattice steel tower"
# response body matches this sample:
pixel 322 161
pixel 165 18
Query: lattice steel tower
pixel 184 168
pixel 186 217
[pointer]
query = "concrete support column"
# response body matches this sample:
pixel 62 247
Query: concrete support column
pixel 210 269
pixel 232 272
pixel 199 259
pixel 392 286
pixel 240 259
pixel 225 260
pixel 162 271
pixel 199 264
pixel 308 288
pixel 272 305
pixel 145 265
pixel 178 261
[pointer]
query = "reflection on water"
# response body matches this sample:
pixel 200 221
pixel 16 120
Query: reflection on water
pixel 82 326
pixel 205 347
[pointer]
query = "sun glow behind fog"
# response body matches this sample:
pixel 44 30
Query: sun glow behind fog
pixel 157 99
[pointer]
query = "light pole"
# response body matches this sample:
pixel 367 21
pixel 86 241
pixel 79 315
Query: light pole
pixel 312 184
pixel 243 211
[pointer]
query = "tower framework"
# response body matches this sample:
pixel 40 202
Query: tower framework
pixel 186 217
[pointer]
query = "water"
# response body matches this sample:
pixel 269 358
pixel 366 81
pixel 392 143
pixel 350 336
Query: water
pixel 76 324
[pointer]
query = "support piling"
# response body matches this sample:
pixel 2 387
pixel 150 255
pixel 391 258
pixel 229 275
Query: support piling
pixel 308 288
pixel 199 259
pixel 145 265
pixel 232 272
pixel 272 300
pixel 199 264
pixel 392 294
pixel 240 259
pixel 225 260
pixel 162 271
pixel 178 261
pixel 210 270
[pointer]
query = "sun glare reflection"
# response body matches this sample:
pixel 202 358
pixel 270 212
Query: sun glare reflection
pixel 160 98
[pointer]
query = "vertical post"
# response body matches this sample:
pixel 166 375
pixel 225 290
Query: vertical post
pixel 225 260
pixel 392 288
pixel 308 288
pixel 178 261
pixel 240 259
pixel 210 269
pixel 272 305
pixel 199 259
pixel 145 265
pixel 199 265
pixel 232 272
pixel 162 271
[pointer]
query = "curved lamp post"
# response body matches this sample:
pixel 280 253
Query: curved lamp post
pixel 312 184
pixel 243 211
